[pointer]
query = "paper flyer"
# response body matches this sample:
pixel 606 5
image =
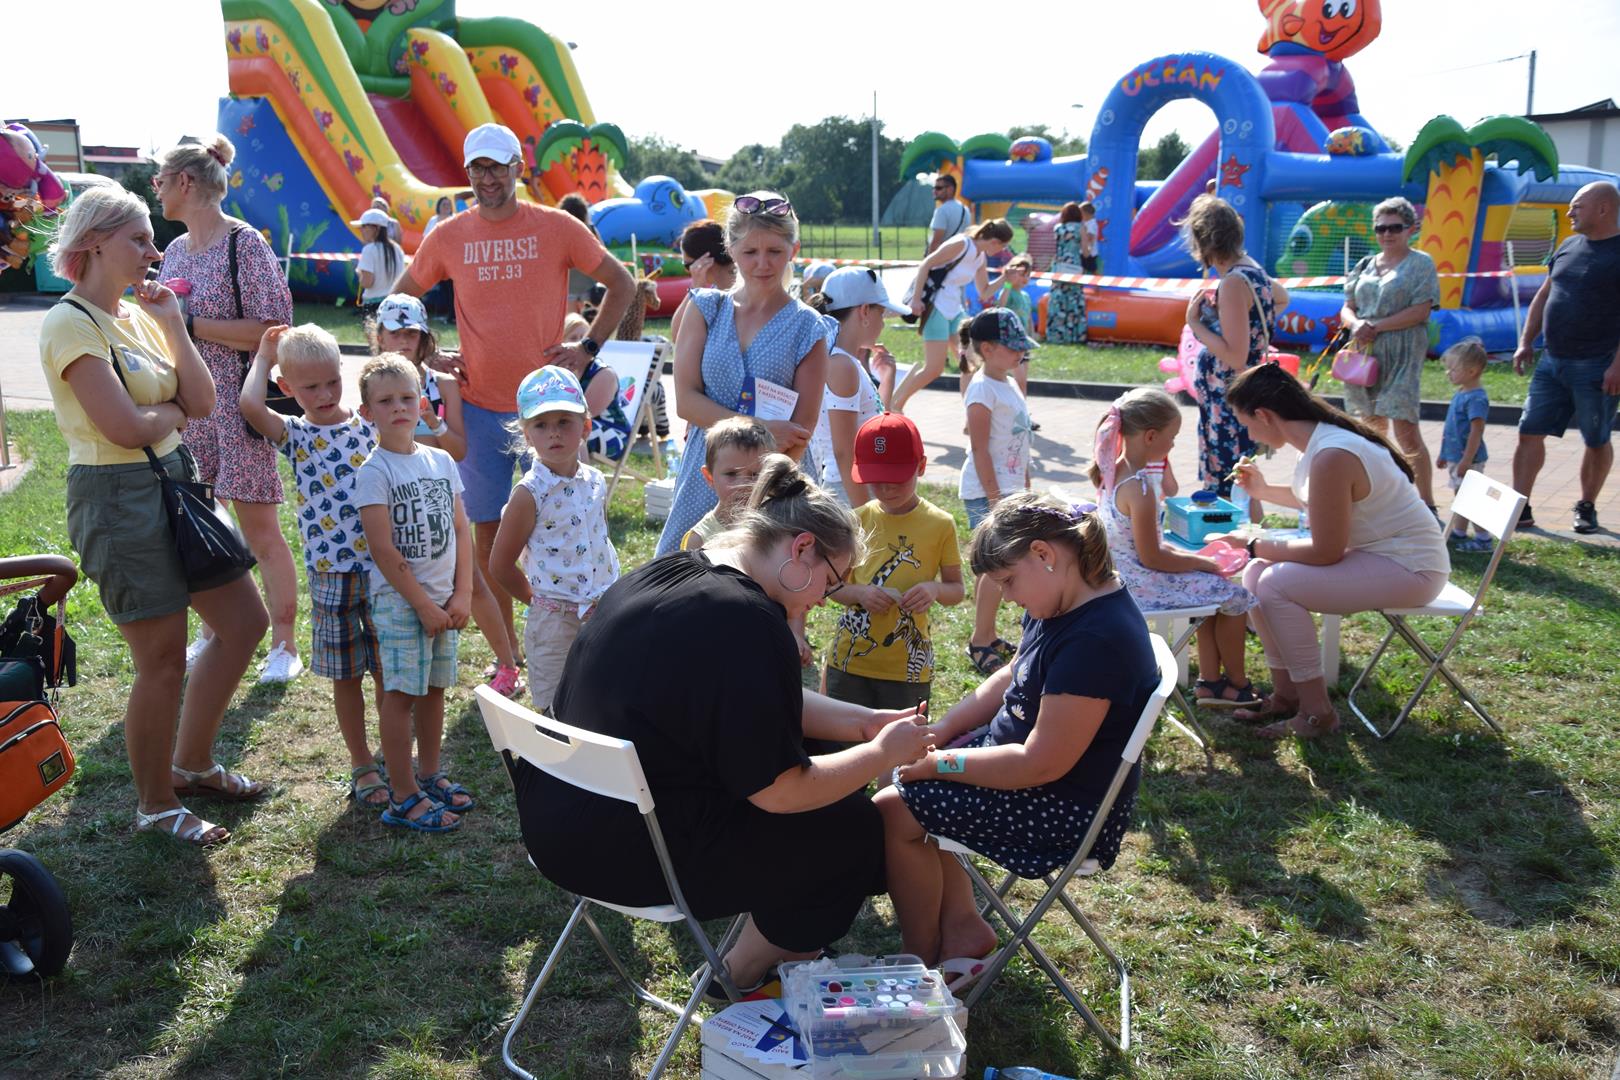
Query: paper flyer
pixel 767 400
pixel 759 1030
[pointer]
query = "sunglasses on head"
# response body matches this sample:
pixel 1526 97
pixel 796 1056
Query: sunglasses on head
pixel 1386 230
pixel 749 204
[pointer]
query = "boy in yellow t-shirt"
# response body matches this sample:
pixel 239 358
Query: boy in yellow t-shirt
pixel 882 656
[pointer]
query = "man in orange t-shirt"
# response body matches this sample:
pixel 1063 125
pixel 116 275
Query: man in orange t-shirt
pixel 509 261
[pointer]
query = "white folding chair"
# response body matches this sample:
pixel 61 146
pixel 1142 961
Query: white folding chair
pixel 635 364
pixel 1494 507
pixel 608 767
pixel 1179 626
pixel 1082 865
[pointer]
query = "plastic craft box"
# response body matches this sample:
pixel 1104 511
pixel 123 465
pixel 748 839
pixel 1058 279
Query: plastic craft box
pixel 1191 522
pixel 886 1018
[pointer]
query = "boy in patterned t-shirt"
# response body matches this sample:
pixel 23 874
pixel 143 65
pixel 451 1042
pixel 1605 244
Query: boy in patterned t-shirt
pixel 883 654
pixel 326 447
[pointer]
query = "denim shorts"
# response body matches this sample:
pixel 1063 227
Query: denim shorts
pixel 1563 390
pixel 977 511
pixel 492 457
pixel 939 328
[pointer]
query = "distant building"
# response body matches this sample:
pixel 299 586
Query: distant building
pixel 114 161
pixel 710 165
pixel 60 139
pixel 1589 135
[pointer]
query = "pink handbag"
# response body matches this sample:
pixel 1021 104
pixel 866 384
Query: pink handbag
pixel 1355 368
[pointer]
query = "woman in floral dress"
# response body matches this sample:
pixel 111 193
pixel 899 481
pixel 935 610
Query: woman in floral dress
pixel 1066 304
pixel 190 184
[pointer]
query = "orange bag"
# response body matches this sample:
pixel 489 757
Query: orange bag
pixel 35 760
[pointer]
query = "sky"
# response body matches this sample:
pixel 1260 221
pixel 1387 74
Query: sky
pixel 716 77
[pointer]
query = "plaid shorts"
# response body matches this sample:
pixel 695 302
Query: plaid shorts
pixel 412 662
pixel 343 643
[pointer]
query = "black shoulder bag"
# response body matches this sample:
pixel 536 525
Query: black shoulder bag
pixel 212 550
pixel 931 286
pixel 274 396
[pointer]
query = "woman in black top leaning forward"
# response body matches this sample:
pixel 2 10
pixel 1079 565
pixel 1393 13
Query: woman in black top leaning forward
pixel 691 658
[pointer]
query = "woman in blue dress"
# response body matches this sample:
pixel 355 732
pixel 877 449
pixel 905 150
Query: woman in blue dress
pixel 1234 331
pixel 755 332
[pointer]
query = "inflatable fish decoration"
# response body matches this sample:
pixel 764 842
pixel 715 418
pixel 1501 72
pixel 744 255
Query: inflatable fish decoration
pixel 1335 29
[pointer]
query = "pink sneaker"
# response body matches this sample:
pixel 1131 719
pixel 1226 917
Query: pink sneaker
pixel 507 682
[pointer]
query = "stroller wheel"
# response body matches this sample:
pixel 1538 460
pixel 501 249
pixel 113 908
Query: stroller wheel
pixel 36 928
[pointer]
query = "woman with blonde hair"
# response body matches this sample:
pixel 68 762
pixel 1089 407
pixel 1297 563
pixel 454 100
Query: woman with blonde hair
pixel 236 291
pixel 752 334
pixel 956 262
pixel 125 380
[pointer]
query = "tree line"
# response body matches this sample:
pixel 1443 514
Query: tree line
pixel 825 169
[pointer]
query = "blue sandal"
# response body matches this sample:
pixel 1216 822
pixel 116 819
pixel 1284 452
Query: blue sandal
pixel 444 795
pixel 432 821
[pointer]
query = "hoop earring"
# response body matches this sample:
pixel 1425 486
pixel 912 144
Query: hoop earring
pixel 808 574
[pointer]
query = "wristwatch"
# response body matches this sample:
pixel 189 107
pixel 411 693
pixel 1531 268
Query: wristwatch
pixel 590 345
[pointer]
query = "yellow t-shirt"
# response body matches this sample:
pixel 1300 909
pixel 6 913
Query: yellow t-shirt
pixel 905 549
pixel 143 354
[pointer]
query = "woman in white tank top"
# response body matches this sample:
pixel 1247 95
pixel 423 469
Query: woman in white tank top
pixel 1373 543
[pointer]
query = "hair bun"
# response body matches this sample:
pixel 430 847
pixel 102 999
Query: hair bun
pixel 222 151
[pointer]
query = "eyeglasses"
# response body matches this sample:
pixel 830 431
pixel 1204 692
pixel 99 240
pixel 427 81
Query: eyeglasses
pixel 749 204
pixel 839 581
pixel 162 178
pixel 1388 230
pixel 495 172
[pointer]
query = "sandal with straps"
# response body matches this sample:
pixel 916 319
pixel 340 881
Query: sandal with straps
pixel 446 792
pixel 232 787
pixel 193 835
pixel 1301 727
pixel 360 794
pixel 1245 696
pixel 1004 648
pixel 985 659
pixel 432 821
pixel 1268 709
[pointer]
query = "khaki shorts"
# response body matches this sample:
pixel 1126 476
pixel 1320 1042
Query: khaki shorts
pixel 118 527
pixel 548 633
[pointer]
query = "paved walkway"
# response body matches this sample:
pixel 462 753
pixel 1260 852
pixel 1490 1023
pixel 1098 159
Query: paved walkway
pixel 1062 449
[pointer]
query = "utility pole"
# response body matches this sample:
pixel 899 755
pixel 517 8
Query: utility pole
pixel 877 233
pixel 1530 97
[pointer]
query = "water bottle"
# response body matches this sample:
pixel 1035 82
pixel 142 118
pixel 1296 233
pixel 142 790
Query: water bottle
pixel 1020 1072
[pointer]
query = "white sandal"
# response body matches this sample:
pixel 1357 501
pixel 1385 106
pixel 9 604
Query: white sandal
pixel 232 787
pixel 193 835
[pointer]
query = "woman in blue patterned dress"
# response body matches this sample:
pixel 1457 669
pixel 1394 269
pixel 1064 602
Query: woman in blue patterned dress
pixel 1234 330
pixel 1066 304
pixel 756 331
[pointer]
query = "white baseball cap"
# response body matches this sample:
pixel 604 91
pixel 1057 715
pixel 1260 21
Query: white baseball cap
pixel 402 311
pixel 852 286
pixel 372 217
pixel 493 141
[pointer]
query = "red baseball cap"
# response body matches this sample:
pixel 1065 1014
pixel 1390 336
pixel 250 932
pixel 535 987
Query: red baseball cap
pixel 888 449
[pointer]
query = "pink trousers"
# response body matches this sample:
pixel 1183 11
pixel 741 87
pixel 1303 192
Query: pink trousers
pixel 1289 592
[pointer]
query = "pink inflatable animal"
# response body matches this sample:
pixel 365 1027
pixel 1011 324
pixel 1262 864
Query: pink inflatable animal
pixel 1183 366
pixel 23 170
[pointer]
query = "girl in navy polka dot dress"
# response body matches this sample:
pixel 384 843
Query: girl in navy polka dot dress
pixel 1028 755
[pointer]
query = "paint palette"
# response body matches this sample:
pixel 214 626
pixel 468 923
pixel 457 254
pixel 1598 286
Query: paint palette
pixel 879 1016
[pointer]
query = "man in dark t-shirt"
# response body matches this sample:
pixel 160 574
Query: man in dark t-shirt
pixel 1578 377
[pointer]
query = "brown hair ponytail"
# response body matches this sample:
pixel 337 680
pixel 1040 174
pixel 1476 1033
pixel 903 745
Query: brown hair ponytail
pixel 1268 386
pixel 1004 537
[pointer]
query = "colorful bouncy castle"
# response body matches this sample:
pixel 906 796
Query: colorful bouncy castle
pixel 1294 156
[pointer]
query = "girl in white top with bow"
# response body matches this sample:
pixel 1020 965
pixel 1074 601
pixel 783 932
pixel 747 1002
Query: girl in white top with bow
pixel 855 296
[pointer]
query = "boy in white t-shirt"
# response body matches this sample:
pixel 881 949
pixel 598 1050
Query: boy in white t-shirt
pixel 998 456
pixel 326 447
pixel 409 497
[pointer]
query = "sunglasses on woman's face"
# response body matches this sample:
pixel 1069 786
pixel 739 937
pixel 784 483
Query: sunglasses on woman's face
pixel 748 204
pixel 1389 230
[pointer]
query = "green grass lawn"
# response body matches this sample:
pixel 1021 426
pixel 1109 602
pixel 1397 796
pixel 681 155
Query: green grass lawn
pixel 1105 362
pixel 1443 905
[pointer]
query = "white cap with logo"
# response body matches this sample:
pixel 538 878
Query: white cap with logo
pixel 493 141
